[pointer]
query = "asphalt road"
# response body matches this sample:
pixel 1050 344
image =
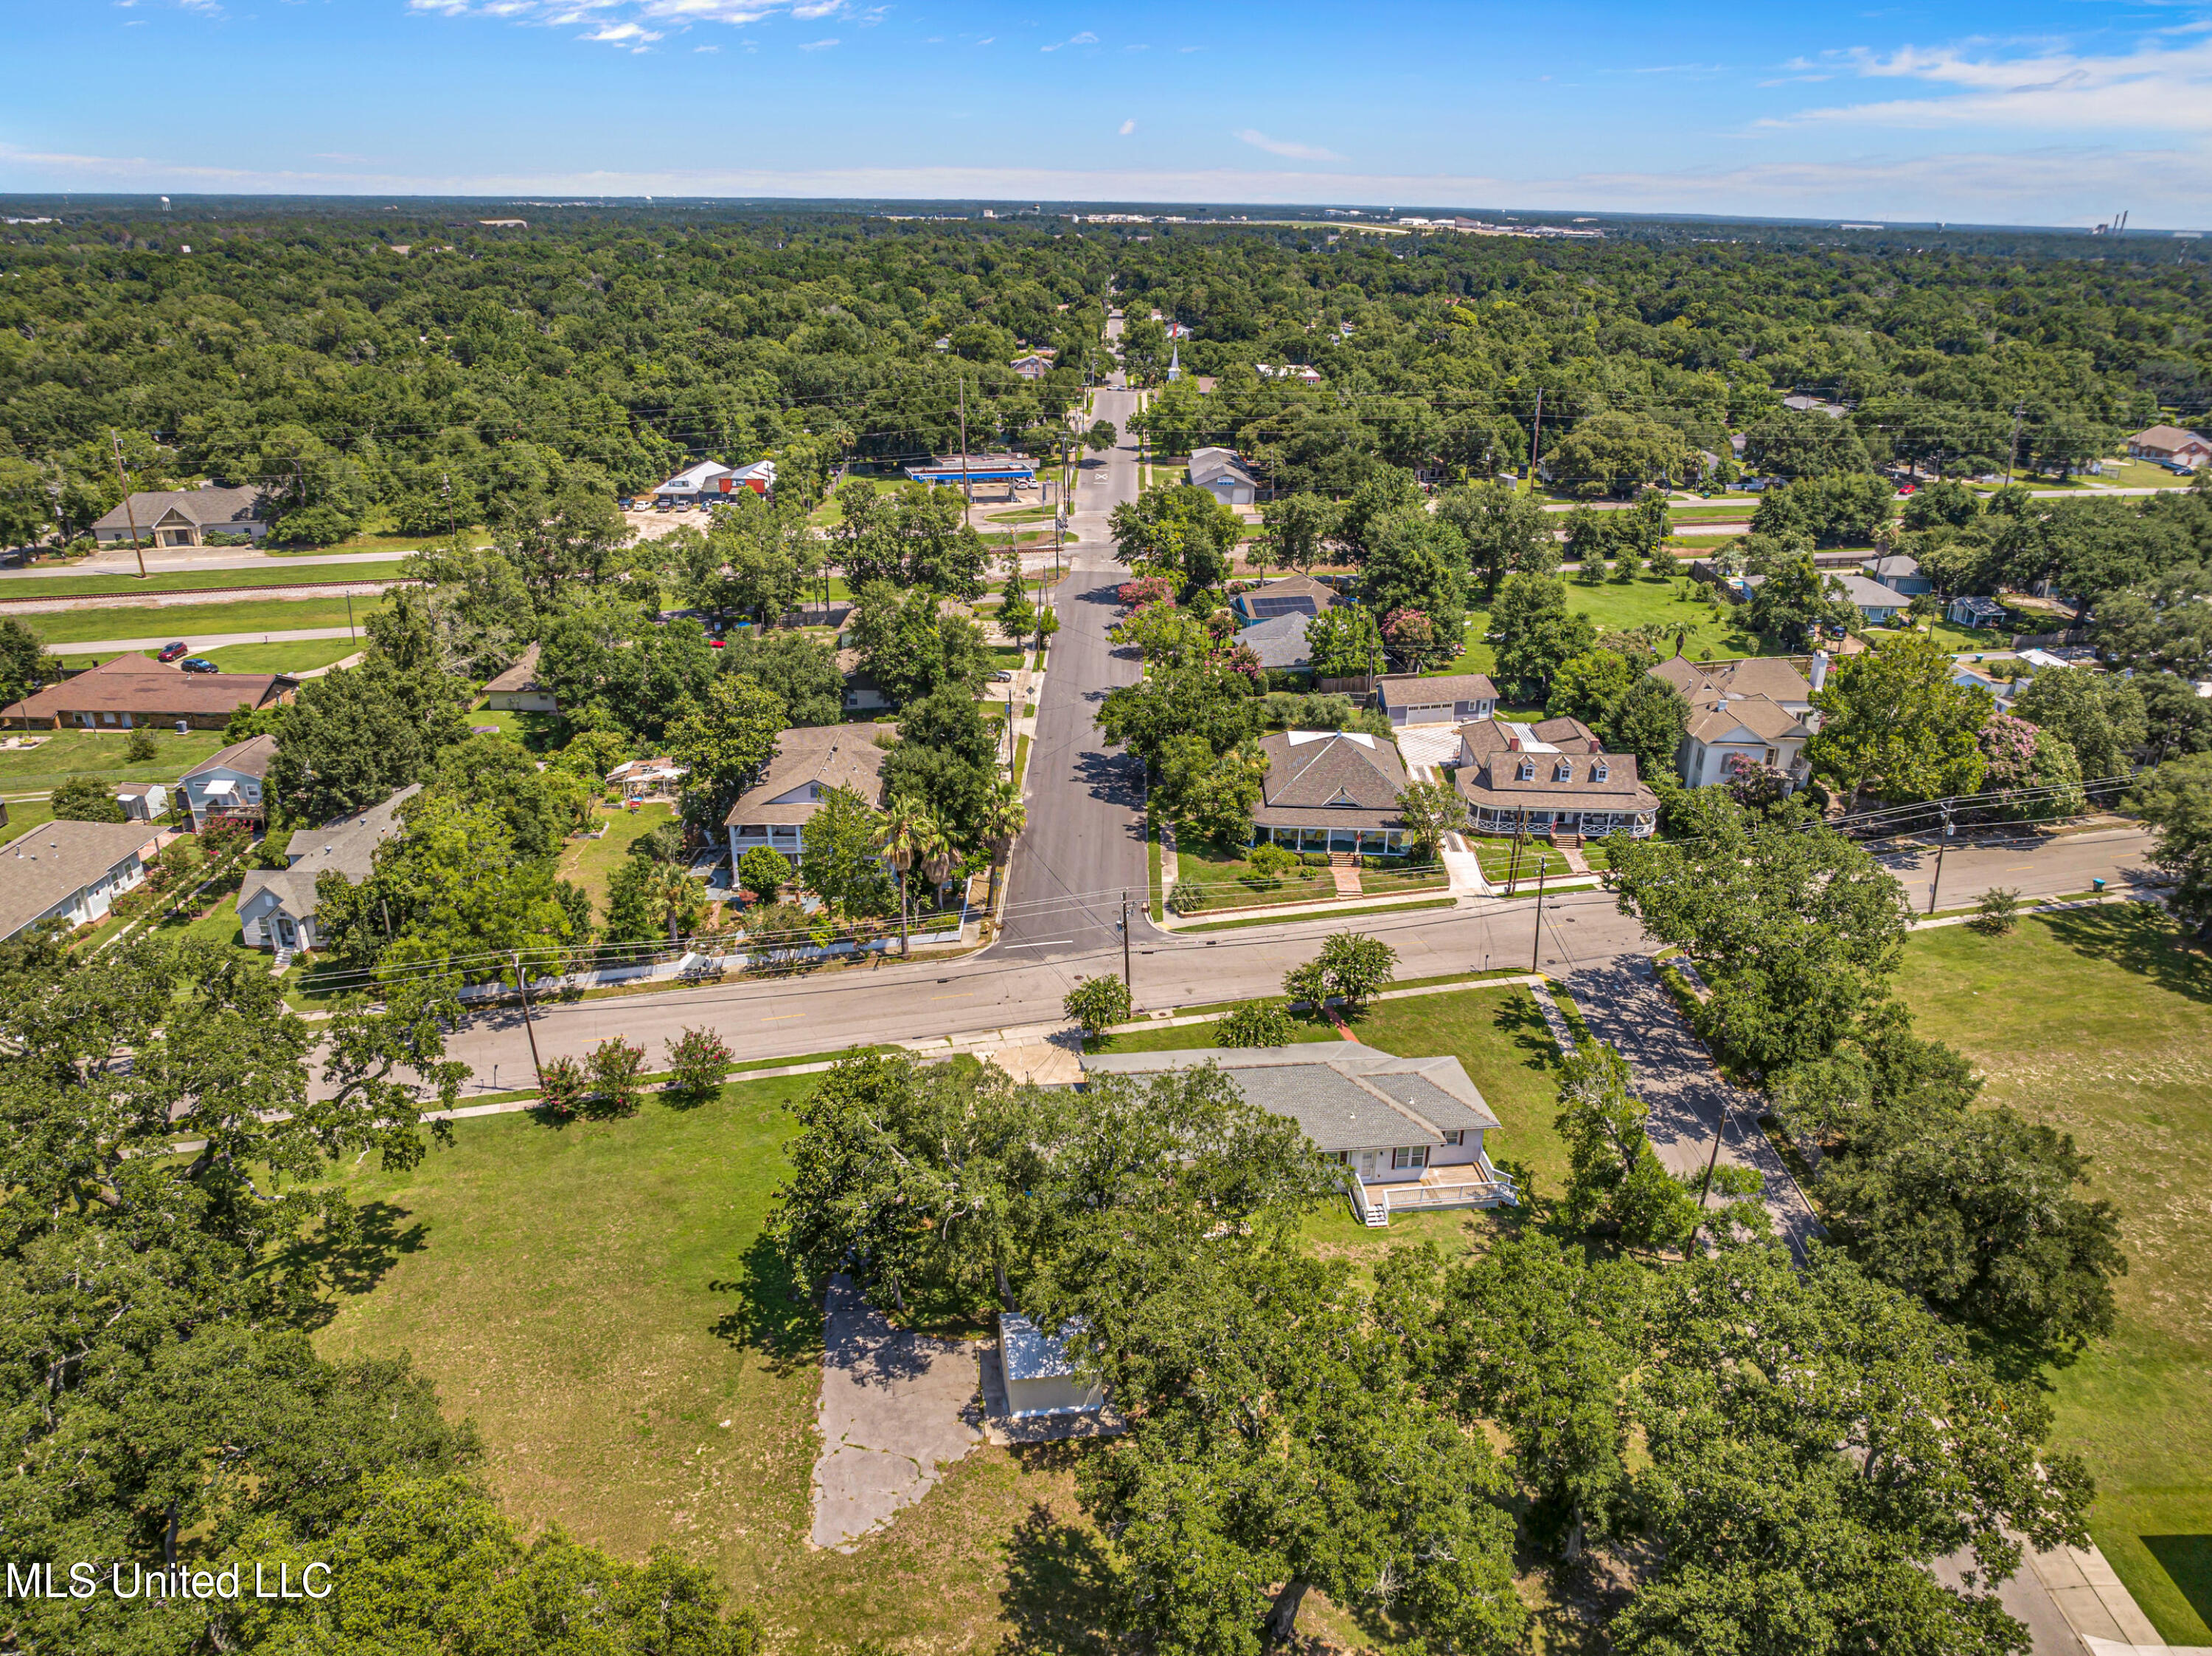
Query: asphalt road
pixel 200 641
pixel 1084 849
pixel 170 560
pixel 999 988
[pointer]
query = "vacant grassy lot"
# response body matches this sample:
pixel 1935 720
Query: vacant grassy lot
pixel 1951 637
pixel 2094 1022
pixel 185 621
pixel 600 1299
pixel 65 754
pixel 1617 606
pixel 592 862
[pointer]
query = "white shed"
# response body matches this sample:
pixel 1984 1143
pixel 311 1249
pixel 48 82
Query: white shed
pixel 1040 1378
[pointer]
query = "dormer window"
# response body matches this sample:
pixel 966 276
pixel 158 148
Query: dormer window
pixel 1527 773
pixel 1563 772
pixel 1599 771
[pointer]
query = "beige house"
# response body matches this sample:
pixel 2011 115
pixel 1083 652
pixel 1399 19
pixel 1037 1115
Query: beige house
pixel 810 760
pixel 1435 698
pixel 517 689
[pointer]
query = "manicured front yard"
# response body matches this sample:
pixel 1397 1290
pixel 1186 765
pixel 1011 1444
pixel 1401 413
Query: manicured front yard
pixel 1230 882
pixel 1618 606
pixel 1495 852
pixel 2094 1022
pixel 599 1299
pixel 299 657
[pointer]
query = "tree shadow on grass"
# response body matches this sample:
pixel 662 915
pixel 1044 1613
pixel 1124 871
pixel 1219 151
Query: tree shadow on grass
pixel 1057 1579
pixel 355 1263
pixel 773 1313
pixel 2136 937
pixel 2187 1559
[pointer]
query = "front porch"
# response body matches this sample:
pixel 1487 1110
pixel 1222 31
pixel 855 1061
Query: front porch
pixel 1585 824
pixel 1372 842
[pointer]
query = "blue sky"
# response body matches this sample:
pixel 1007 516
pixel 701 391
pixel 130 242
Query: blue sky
pixel 2035 112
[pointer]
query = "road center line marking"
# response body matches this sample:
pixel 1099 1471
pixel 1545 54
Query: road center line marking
pixel 782 1017
pixel 971 995
pixel 1049 942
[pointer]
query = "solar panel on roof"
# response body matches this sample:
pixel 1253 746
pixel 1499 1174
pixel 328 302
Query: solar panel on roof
pixel 1268 608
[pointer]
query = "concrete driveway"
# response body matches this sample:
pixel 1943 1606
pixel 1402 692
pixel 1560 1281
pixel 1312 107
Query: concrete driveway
pixel 1626 1007
pixel 897 1408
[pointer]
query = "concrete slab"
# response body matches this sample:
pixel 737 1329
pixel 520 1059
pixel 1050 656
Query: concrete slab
pixel 897 1409
pixel 1047 1064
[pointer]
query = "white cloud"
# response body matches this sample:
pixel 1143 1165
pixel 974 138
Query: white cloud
pixel 2150 87
pixel 621 35
pixel 1300 152
pixel 817 45
pixel 1128 126
pixel 1086 38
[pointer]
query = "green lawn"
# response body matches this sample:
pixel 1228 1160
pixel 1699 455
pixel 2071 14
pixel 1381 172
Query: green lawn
pixel 592 862
pixel 296 657
pixel 1617 606
pixel 183 621
pixel 2092 1022
pixel 1495 852
pixel 23 816
pixel 598 1298
pixel 92 753
pixel 533 730
pixel 187 581
pixel 1223 872
pixel 1952 638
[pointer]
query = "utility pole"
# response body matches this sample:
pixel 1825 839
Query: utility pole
pixel 2012 455
pixel 1705 1189
pixel 351 631
pixel 967 488
pixel 522 983
pixel 1128 982
pixel 1536 442
pixel 1537 947
pixel 130 513
pixel 1937 884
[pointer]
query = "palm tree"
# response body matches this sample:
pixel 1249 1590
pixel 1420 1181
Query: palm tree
pixel 907 835
pixel 938 860
pixel 680 893
pixel 1003 818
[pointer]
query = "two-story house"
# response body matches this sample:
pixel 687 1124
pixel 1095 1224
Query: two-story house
pixel 230 782
pixel 810 760
pixel 277 907
pixel 1550 777
pixel 1757 711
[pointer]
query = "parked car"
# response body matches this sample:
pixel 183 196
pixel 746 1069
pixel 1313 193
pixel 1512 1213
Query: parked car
pixel 200 665
pixel 171 652
pixel 1002 677
pixel 713 644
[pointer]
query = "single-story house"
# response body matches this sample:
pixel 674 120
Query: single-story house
pixel 1878 605
pixel 276 906
pixel 1221 473
pixel 1297 371
pixel 517 689
pixel 183 517
pixel 809 762
pixel 1756 710
pixel 1331 790
pixel 1293 595
pixel 2171 445
pixel 640 779
pixel 69 871
pixel 1900 574
pixel 1978 613
pixel 1441 698
pixel 1798 403
pixel 1553 777
pixel 229 782
pixel 135 689
pixel 143 802
pixel 1280 644
pixel 1041 1378
pixel 1967 676
pixel 1409 1133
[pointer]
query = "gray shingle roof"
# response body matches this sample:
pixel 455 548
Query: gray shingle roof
pixel 347 847
pixel 54 861
pixel 211 508
pixel 834 755
pixel 1279 642
pixel 1344 1096
pixel 1428 690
